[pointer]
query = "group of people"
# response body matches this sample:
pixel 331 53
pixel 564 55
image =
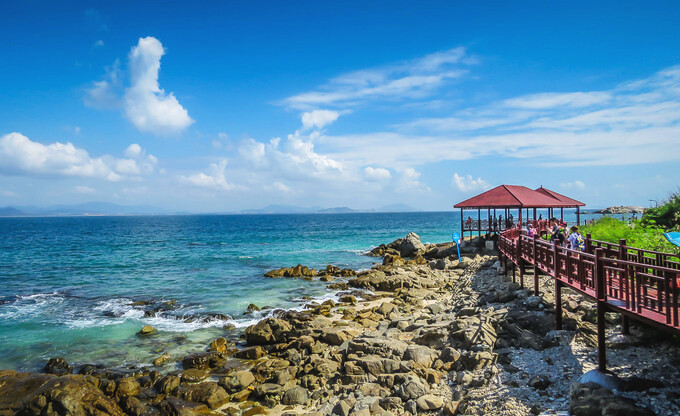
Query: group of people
pixel 559 235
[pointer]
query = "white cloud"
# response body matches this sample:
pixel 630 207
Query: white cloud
pixel 76 129
pixel 147 106
pixel 409 181
pixel 84 190
pixel 133 150
pixel 214 178
pixel 376 174
pixel 281 187
pixel 468 183
pixel 98 44
pixel 634 123
pixel 575 184
pixel 104 94
pixel 21 156
pixel 561 100
pixel 412 79
pixel 318 118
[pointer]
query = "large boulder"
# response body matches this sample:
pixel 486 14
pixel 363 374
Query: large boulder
pixel 411 245
pixel 268 331
pixel 42 394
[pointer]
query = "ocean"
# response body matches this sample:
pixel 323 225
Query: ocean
pixel 82 287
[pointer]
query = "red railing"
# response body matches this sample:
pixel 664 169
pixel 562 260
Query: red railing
pixel 641 283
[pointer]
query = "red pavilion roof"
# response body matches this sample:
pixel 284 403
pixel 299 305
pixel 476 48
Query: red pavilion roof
pixel 515 196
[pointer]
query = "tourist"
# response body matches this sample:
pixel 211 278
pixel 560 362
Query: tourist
pixel 556 232
pixel 576 240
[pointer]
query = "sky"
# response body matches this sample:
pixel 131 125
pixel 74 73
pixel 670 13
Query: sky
pixel 223 106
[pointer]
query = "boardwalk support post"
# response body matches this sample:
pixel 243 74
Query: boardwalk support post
pixel 625 325
pixel 558 304
pixel 601 295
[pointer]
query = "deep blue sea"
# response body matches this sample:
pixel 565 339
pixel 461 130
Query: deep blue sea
pixel 81 287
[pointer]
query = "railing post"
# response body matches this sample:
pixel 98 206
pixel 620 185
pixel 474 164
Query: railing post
pixel 520 261
pixel 556 261
pixel 535 266
pixel 588 244
pixel 601 294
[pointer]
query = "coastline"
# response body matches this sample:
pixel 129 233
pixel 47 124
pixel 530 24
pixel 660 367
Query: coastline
pixel 437 335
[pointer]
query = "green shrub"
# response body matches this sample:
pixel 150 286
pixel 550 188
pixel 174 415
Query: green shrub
pixel 666 215
pixel 636 234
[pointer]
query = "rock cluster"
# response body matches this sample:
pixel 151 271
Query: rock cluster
pixel 307 273
pixel 434 334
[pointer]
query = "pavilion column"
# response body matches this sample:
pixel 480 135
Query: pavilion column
pixel 578 216
pixel 462 229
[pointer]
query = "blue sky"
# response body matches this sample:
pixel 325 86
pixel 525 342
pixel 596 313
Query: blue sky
pixel 221 106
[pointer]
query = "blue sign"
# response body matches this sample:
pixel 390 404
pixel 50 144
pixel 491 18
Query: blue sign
pixel 456 239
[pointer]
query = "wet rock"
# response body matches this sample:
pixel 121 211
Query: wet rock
pixel 58 366
pixel 194 375
pixel 238 381
pixel 268 331
pixel 210 394
pixel 45 394
pixel 164 358
pixel 167 384
pixel 127 386
pixel 146 330
pixel 202 360
pixel 251 353
pixel 176 406
pixel 252 308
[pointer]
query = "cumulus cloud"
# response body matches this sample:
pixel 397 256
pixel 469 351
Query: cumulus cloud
pixel 147 106
pixel 318 118
pixel 215 177
pixel 376 174
pixel 468 183
pixel 411 79
pixel 19 155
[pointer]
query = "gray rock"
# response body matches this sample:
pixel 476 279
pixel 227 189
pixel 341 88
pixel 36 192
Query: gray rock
pixel 342 408
pixel 421 355
pixel 412 407
pixel 296 395
pixel 413 389
pixel 429 402
pixel 411 245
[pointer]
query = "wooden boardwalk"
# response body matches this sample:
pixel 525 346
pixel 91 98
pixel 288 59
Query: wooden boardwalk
pixel 639 284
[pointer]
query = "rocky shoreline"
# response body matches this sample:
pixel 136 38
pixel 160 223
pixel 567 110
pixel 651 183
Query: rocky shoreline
pixel 424 332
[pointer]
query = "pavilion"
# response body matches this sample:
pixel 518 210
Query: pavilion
pixel 509 199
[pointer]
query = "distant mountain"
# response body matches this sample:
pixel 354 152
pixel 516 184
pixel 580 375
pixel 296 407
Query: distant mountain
pixel 11 212
pixel 337 210
pixel 282 209
pixel 87 208
pixel 397 208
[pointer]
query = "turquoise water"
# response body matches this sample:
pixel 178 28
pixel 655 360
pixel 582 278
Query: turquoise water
pixel 81 287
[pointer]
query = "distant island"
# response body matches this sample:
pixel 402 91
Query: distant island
pixel 629 209
pixel 107 208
